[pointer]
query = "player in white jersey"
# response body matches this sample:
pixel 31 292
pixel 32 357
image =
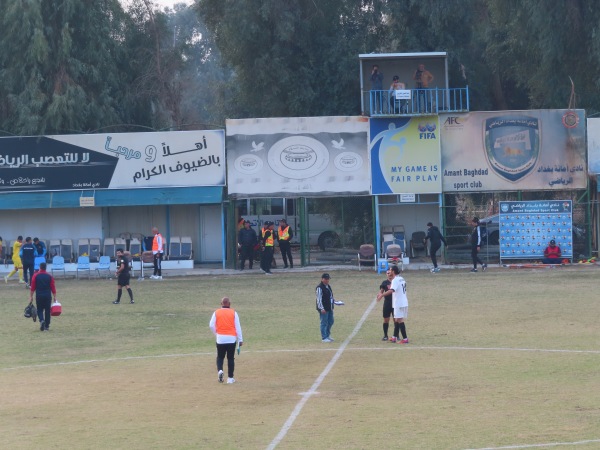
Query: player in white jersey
pixel 400 304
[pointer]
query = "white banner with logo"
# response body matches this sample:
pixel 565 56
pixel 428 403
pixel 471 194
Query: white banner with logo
pixel 302 156
pixel 513 150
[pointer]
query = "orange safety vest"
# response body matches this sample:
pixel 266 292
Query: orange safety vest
pixel 155 243
pixel 284 234
pixel 269 242
pixel 225 322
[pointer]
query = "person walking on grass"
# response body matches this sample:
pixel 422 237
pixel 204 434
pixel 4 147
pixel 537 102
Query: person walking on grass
pixel 476 245
pixel 123 277
pixel 325 304
pixel 435 238
pixel 42 283
pixel 28 254
pixel 225 325
pixel 16 258
pixel 388 309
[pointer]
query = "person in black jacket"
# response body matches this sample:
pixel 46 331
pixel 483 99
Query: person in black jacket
pixel 435 238
pixel 28 254
pixel 247 239
pixel 476 245
pixel 325 304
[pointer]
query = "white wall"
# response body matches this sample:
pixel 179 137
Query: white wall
pixel 72 223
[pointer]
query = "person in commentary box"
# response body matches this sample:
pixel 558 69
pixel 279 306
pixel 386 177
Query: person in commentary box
pixel 552 254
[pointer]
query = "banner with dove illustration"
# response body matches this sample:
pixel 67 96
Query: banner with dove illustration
pixel 293 157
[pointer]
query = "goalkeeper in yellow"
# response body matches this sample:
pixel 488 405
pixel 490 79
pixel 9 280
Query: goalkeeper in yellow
pixel 16 258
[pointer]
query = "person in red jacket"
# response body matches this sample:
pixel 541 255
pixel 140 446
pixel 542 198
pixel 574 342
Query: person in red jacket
pixel 42 283
pixel 552 254
pixel 225 325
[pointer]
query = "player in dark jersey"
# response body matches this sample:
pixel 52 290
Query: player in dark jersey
pixel 388 309
pixel 123 276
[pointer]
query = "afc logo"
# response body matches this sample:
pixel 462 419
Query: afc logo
pixel 453 120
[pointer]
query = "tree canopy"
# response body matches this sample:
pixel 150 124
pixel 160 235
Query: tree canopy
pixel 70 67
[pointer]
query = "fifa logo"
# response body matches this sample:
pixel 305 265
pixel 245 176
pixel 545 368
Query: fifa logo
pixel 427 131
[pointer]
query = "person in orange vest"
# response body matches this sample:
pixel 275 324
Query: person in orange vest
pixel 284 234
pixel 158 249
pixel 268 240
pixel 225 325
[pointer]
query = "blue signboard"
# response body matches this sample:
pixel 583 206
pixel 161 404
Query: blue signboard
pixel 527 227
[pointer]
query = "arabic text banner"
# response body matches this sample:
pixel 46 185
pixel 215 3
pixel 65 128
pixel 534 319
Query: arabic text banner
pixel 513 150
pixel 312 156
pixel 112 161
pixel 405 156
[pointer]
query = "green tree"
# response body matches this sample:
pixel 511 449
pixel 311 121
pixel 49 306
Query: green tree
pixel 59 65
pixel 292 58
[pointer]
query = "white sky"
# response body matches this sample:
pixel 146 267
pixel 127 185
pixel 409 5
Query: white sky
pixel 172 2
pixel 165 2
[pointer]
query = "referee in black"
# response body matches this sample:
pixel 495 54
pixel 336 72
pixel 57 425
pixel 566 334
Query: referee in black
pixel 123 276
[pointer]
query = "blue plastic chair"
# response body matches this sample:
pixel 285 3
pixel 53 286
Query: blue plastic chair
pixel 104 264
pixel 58 264
pixel 83 264
pixel 37 261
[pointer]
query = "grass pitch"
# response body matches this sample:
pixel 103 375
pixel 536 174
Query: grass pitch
pixel 501 358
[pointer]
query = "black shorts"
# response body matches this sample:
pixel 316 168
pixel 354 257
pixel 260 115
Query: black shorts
pixel 388 309
pixel 123 279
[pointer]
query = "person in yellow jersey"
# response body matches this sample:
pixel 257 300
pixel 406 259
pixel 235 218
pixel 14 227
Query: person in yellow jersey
pixel 16 258
pixel 284 234
pixel 225 325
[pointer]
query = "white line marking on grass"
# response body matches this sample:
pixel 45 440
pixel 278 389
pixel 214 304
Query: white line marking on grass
pixel 551 444
pixel 288 424
pixel 387 347
pixel 91 361
pixel 495 349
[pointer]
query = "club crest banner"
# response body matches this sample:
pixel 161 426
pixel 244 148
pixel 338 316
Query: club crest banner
pixel 513 150
pixel 512 145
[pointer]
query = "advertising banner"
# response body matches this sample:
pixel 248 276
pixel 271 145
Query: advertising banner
pixel 405 156
pixel 112 161
pixel 302 156
pixel 593 136
pixel 513 150
pixel 526 228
